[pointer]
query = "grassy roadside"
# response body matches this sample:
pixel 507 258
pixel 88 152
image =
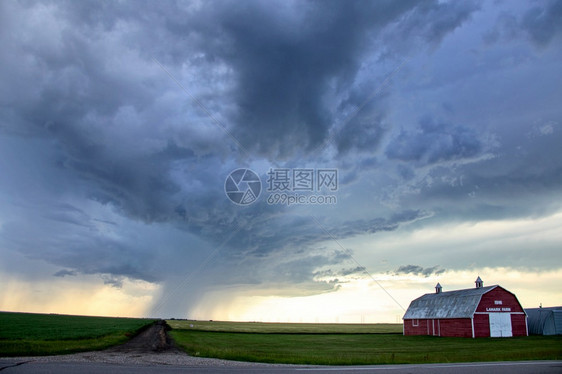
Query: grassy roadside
pixel 247 342
pixel 27 334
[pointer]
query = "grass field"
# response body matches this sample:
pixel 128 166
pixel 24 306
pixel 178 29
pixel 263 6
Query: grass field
pixel 23 334
pixel 294 328
pixel 321 344
pixel 26 334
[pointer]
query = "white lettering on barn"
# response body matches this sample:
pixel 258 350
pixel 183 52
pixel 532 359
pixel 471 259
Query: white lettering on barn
pixel 498 309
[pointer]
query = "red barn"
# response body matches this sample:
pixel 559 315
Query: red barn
pixel 477 312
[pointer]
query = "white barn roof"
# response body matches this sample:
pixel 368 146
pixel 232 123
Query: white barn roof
pixel 452 304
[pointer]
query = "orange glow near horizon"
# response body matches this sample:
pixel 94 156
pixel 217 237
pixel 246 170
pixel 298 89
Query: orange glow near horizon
pixel 358 300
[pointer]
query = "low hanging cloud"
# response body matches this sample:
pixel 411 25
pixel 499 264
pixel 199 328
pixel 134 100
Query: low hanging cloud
pixel 113 281
pixel 419 270
pixel 63 273
pixel 334 275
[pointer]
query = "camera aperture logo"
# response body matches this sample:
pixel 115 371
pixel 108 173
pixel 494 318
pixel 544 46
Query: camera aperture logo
pixel 242 186
pixel 286 186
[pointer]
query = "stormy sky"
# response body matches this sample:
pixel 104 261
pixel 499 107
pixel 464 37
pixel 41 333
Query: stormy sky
pixel 121 121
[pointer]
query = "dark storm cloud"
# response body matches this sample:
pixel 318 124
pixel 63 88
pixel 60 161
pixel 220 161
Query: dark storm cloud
pixel 67 213
pixel 105 115
pixel 285 67
pixel 283 252
pixel 429 22
pixel 64 273
pixel 362 133
pixel 79 250
pixel 522 178
pixel 330 273
pixel 434 142
pixel 116 282
pixel 139 186
pixel 88 119
pixel 288 63
pixel 419 270
pixel 291 250
pixel 542 22
pixel 343 272
pixel 262 235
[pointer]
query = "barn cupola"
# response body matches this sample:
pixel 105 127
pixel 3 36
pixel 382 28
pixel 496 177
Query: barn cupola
pixel 438 288
pixel 479 282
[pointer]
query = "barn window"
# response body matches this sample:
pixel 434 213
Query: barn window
pixel 415 322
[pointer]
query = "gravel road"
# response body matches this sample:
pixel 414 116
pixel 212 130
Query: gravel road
pixel 152 346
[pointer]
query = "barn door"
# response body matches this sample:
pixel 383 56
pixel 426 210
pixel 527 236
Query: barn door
pixel 436 329
pixel 500 325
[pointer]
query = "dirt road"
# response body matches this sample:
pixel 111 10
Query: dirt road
pixel 152 346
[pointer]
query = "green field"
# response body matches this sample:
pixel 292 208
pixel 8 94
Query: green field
pixel 23 334
pixel 294 328
pixel 26 334
pixel 327 344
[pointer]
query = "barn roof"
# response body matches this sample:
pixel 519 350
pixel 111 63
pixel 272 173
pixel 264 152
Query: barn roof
pixel 451 304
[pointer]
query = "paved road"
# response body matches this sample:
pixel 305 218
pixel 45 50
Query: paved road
pixel 526 367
